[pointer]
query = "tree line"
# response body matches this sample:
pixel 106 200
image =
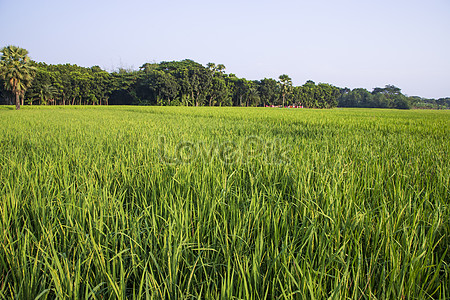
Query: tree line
pixel 185 82
pixel 388 97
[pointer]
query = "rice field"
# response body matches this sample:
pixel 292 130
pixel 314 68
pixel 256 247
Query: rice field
pixel 224 203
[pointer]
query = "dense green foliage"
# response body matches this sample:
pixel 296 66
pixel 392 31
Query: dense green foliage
pixel 388 97
pixel 343 203
pixel 189 83
pixel 169 83
pixel 185 83
pixel 424 103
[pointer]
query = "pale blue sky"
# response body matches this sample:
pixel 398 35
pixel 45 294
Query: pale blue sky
pixel 347 43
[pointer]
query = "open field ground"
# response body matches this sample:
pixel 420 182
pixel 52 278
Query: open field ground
pixel 247 203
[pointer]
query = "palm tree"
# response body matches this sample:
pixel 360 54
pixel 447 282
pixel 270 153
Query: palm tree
pixel 16 71
pixel 286 85
pixel 221 68
pixel 47 93
pixel 253 95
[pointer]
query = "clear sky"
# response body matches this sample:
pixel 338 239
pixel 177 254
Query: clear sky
pixel 348 43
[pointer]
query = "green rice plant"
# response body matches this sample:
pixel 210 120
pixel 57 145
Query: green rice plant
pixel 230 203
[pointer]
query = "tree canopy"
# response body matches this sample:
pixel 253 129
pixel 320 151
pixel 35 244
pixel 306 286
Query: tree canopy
pixel 183 82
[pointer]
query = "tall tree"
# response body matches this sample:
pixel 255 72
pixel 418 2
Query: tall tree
pixel 286 86
pixel 16 71
pixel 268 91
pixel 390 97
pixel 219 91
pixel 240 90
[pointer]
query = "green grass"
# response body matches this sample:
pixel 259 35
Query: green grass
pixel 332 204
